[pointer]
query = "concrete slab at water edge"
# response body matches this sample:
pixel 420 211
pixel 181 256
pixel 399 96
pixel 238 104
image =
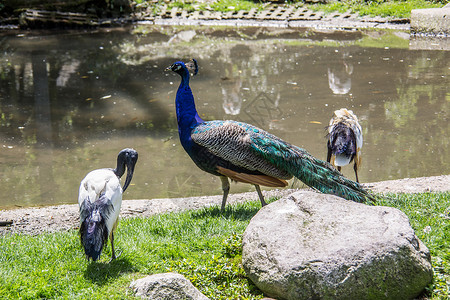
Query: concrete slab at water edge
pixel 434 21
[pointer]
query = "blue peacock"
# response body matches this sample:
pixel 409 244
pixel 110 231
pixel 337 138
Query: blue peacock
pixel 245 153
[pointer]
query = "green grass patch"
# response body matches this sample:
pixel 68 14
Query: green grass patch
pixel 236 5
pixel 219 5
pixel 397 9
pixel 204 245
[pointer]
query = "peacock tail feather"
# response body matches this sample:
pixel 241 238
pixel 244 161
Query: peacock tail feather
pixel 254 149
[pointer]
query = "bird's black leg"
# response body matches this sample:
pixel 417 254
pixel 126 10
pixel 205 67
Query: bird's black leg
pixel 225 189
pixel 329 155
pixel 261 197
pixel 355 167
pixel 113 255
pixel 339 168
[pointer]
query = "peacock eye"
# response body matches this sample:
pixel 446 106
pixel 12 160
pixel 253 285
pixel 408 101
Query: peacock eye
pixel 177 67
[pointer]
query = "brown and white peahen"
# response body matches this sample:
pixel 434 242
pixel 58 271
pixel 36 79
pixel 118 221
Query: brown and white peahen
pixel 345 140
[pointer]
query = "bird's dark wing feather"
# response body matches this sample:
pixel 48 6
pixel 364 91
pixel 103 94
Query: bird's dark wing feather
pixel 342 140
pixel 93 228
pixel 232 141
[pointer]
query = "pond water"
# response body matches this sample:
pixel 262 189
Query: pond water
pixel 71 100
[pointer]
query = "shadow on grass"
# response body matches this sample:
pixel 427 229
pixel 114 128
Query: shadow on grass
pixel 101 272
pixel 240 211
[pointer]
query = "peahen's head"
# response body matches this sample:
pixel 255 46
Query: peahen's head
pixel 182 68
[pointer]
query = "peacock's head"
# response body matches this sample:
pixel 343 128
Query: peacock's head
pixel 181 68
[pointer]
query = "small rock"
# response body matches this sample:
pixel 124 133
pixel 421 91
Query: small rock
pixel 166 286
pixel 315 246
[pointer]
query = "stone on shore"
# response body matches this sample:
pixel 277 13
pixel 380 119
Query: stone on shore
pixel 315 246
pixel 166 286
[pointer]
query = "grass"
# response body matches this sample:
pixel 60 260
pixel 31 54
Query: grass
pixel 198 244
pixel 395 8
pixel 429 214
pixel 190 6
pixel 203 245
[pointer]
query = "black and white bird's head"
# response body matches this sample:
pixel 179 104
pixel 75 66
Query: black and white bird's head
pixel 126 158
pixel 181 68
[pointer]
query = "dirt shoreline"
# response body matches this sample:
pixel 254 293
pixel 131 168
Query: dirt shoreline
pixel 36 220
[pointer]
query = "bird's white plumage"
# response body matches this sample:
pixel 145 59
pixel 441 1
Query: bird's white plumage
pixel 98 182
pixel 341 160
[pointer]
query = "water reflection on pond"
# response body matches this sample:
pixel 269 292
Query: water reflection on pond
pixel 70 101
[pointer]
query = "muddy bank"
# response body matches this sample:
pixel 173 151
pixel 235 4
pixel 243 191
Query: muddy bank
pixel 35 220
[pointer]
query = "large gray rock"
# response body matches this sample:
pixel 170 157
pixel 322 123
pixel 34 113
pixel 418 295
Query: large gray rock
pixel 166 286
pixel 315 246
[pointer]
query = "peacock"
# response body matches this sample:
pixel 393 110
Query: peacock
pixel 99 200
pixel 245 153
pixel 344 140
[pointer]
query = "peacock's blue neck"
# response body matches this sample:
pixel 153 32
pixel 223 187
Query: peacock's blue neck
pixel 187 115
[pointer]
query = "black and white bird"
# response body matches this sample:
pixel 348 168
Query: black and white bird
pixel 99 200
pixel 345 140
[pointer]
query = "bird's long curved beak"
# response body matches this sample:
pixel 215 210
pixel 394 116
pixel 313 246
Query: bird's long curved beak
pixel 130 170
pixel 131 163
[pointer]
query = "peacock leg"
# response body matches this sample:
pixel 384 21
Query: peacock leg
pixel 261 197
pixel 225 189
pixel 355 167
pixel 339 168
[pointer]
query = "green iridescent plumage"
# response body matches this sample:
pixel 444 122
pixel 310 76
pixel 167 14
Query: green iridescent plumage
pixel 255 149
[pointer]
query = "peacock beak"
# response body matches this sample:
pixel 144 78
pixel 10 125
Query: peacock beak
pixel 169 68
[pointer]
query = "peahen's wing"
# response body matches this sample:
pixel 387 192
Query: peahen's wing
pixel 233 141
